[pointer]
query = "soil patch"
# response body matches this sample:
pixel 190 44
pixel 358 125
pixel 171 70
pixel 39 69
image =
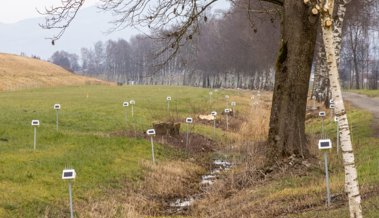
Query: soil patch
pixel 197 143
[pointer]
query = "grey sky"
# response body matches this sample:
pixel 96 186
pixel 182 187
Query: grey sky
pixel 12 11
pixel 15 10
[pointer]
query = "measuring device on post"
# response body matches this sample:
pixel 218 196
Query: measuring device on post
pixel 57 107
pixel 69 174
pixel 325 145
pixel 35 124
pixel 151 133
pixel 188 121
pixel 227 111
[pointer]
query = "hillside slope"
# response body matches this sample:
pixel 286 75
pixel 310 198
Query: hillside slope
pixel 17 72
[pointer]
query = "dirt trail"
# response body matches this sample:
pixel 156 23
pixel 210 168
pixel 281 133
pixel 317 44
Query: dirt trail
pixel 366 103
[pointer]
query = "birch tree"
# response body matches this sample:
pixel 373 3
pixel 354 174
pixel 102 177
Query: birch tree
pixel 351 176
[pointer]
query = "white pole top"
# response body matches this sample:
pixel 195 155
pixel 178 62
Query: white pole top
pixel 189 120
pixel 324 144
pixel 68 174
pixel 57 106
pixel 150 132
pixel 35 122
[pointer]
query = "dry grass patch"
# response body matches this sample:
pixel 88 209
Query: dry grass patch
pixel 162 182
pixel 172 179
pixel 17 72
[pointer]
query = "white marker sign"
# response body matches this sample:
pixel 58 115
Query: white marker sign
pixel 35 122
pixel 125 104
pixel 68 174
pixel 189 120
pixel 150 132
pixel 321 113
pixel 57 106
pixel 324 144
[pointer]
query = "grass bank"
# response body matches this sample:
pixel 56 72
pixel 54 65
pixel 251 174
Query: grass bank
pixel 368 92
pixel 89 140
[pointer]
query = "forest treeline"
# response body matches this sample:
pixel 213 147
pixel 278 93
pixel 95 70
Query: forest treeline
pixel 232 49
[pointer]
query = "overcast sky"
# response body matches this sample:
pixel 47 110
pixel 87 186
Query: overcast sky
pixel 15 10
pixel 12 11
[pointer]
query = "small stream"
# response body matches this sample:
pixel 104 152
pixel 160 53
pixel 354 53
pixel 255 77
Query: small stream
pixel 218 166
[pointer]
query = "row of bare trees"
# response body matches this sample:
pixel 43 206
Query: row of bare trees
pixel 360 50
pixel 229 51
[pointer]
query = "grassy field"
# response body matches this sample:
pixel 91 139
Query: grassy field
pixel 114 167
pixel 370 93
pixel 88 140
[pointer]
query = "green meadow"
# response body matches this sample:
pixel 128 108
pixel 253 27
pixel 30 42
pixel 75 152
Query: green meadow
pixel 90 140
pixel 107 147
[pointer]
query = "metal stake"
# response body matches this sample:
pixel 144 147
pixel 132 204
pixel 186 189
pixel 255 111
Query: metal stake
pixel 152 148
pixel 327 179
pixel 57 119
pixel 35 137
pixel 322 128
pixel 132 111
pixel 187 137
pixel 70 193
pixel 227 122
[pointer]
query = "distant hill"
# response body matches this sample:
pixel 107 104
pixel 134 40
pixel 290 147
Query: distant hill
pixel 17 72
pixel 88 27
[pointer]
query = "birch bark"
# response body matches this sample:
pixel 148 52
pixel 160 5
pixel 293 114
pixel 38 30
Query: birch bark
pixel 351 176
pixel 338 24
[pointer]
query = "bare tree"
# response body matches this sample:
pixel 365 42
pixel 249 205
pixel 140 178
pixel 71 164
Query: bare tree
pixel 176 21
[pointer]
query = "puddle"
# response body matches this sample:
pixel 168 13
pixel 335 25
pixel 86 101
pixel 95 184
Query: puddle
pixel 218 166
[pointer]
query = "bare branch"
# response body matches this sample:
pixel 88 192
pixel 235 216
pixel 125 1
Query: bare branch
pixel 61 17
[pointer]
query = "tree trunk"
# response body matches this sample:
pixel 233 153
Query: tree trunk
pixel 337 31
pixel 293 69
pixel 351 177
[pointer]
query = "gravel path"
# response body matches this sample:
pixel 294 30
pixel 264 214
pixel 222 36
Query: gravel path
pixel 366 103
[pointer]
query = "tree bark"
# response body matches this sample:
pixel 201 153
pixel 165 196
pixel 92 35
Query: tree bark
pixel 351 176
pixel 293 69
